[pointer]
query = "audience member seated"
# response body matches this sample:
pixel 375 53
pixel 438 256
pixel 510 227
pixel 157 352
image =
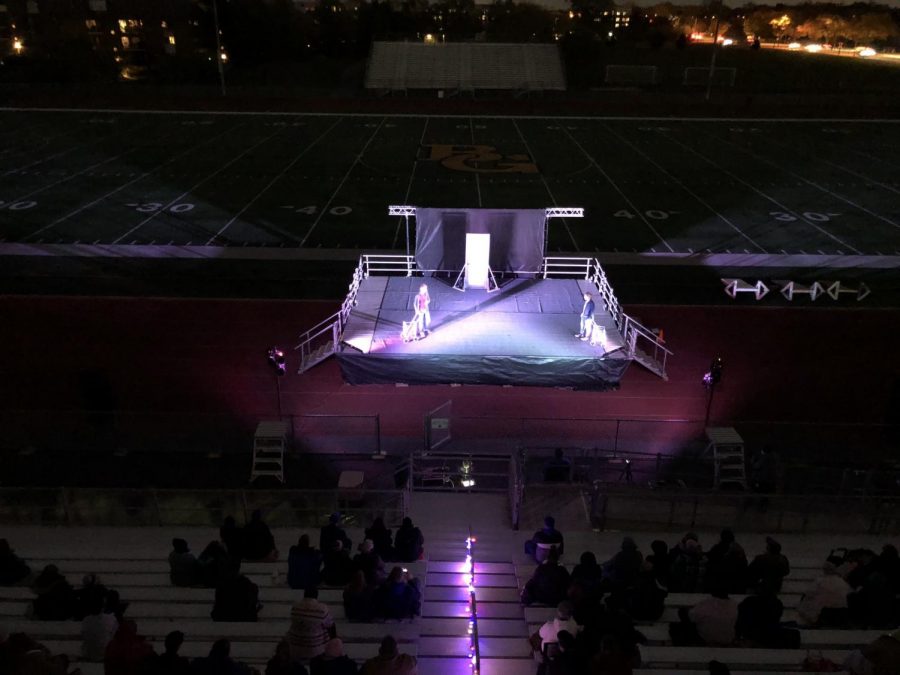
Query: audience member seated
pixel 381 539
pixel 645 600
pixel 236 600
pixel 55 599
pixel 359 599
pixel 710 622
pixel 170 662
pixel 219 662
pixel 855 565
pixel 563 621
pixel 660 561
pixel 718 668
pixel 880 657
pixel 545 540
pixel 331 533
pixel 558 469
pixel 614 658
pixel 687 566
pixel 182 564
pixel 216 566
pixel 588 573
pixel 872 605
pixel 888 565
pixel 769 568
pixel 759 621
pixel 311 626
pixel 13 569
pixel 114 605
pixel 97 630
pixel 127 653
pixel 259 544
pixel 399 597
pixel 304 564
pixel 825 601
pixel 232 538
pixel 726 564
pixel 337 567
pixel 568 659
pixel 282 664
pixel 333 661
pixel 369 563
pixel 409 544
pixel 21 655
pixel 622 570
pixel 91 593
pixel 390 661
pixel 549 583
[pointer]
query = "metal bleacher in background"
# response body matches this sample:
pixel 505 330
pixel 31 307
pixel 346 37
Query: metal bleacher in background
pixel 399 66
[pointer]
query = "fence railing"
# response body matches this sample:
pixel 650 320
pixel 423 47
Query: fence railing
pixel 466 472
pixel 516 489
pixel 155 507
pixel 639 340
pixel 623 508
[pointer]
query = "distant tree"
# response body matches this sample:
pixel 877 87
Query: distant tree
pixel 520 22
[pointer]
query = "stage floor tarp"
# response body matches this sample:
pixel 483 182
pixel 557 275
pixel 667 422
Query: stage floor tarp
pixel 523 333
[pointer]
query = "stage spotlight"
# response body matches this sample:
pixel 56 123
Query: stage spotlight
pixel 714 376
pixel 276 360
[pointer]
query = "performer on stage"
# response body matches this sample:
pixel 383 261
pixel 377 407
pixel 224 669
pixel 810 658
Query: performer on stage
pixel 587 317
pixel 422 318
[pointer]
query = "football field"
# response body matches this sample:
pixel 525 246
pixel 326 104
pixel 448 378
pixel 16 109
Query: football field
pixel 821 187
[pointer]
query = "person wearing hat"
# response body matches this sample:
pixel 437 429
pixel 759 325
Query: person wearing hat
pixel 331 533
pixel 545 539
pixel 688 565
pixel 369 563
pixel 304 564
pixel 769 568
pixel 333 661
pixel 337 566
pixel 563 621
pixel 409 544
pixel 390 661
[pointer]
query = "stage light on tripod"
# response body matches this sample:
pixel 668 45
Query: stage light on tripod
pixel 276 360
pixel 714 375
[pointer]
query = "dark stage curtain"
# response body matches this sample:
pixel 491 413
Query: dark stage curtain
pixel 517 238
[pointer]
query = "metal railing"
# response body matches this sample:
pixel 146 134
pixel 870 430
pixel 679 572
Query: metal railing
pixel 463 472
pixel 377 263
pixel 516 489
pixel 636 336
pixel 623 508
pixel 154 507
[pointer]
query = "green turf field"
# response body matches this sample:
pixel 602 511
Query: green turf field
pixel 320 181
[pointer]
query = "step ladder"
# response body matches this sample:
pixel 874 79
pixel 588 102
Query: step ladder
pixel 268 450
pixel 729 463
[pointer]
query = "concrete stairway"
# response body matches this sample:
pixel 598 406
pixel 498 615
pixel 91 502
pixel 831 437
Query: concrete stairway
pixel 503 633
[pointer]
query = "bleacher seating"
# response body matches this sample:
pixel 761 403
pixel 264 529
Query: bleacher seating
pixel 399 66
pixel 138 570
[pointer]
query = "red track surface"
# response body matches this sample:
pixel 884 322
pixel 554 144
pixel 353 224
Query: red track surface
pixel 819 366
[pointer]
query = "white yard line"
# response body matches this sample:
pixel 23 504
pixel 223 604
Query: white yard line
pixel 544 181
pixel 684 187
pixel 777 203
pixel 61 152
pixel 409 184
pixel 615 187
pixel 477 179
pixel 272 182
pixel 334 194
pixel 821 188
pixel 131 182
pixel 195 186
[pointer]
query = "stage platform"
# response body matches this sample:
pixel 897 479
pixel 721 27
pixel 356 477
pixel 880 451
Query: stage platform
pixel 521 334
